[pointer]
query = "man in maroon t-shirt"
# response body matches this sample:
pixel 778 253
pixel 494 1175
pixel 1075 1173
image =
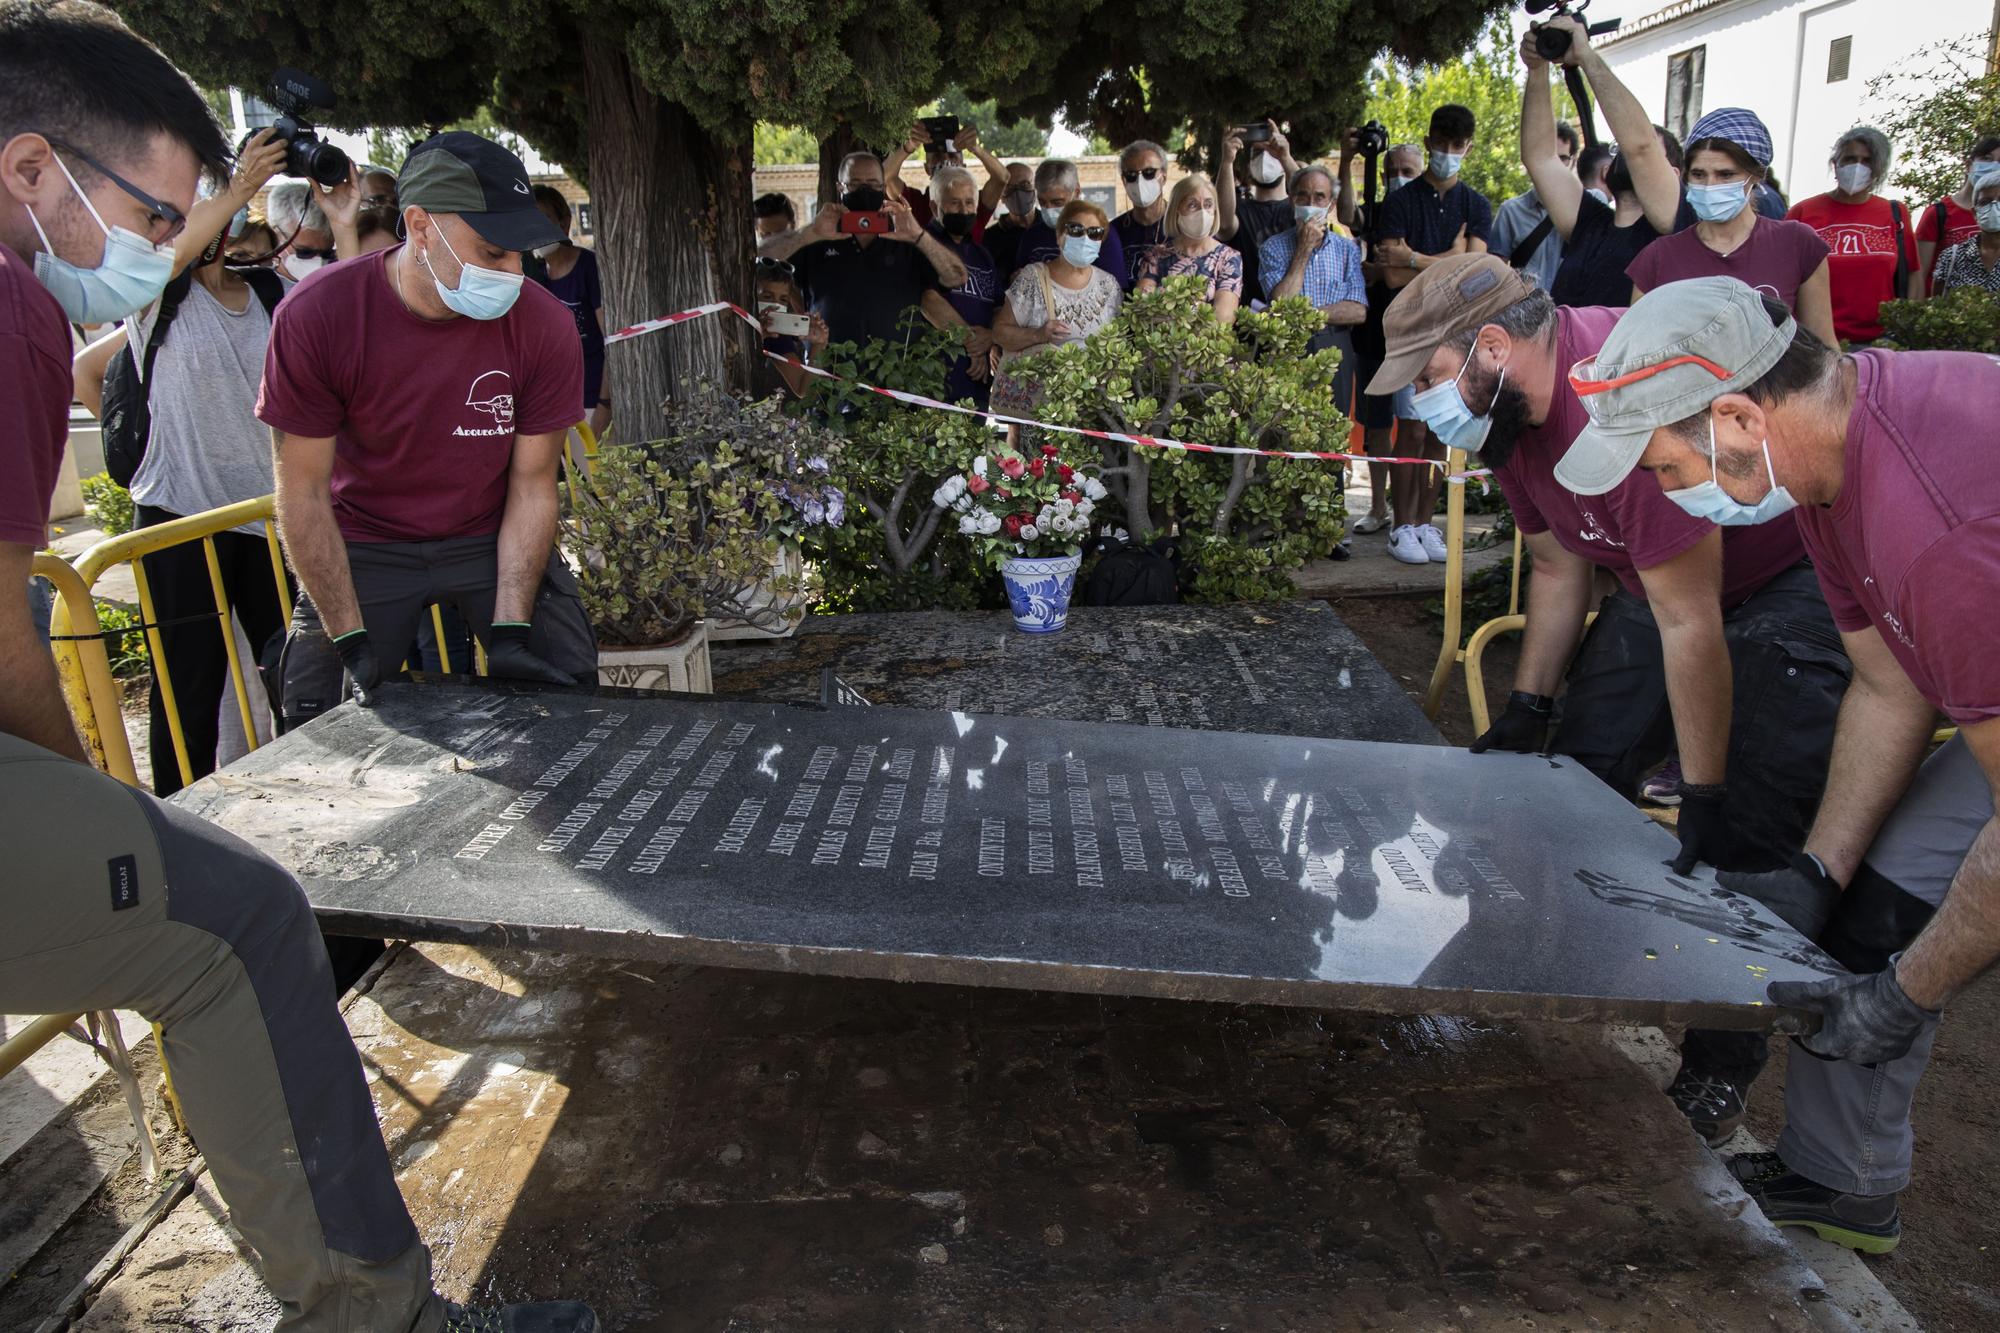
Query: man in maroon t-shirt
pixel 1716 638
pixel 113 899
pixel 418 400
pixel 1740 414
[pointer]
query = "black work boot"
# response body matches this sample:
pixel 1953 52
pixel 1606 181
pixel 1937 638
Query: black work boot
pixel 1870 1223
pixel 1711 1101
pixel 534 1317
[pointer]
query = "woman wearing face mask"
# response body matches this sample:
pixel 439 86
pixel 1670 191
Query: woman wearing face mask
pixel 572 276
pixel 1950 220
pixel 966 309
pixel 1785 260
pixel 1192 209
pixel 1975 261
pixel 1056 187
pixel 1053 302
pixel 1874 248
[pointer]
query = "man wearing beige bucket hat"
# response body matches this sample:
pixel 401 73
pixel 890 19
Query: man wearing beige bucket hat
pixel 1743 417
pixel 1717 637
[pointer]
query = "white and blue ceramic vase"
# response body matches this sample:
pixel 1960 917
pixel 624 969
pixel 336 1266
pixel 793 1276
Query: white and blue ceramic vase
pixel 1039 589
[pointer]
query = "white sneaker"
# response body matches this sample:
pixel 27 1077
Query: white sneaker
pixel 1407 547
pixel 1372 524
pixel 1433 541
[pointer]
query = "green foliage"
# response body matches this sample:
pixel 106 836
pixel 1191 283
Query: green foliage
pixel 387 147
pixel 1933 129
pixel 110 504
pixel 671 530
pixel 783 145
pixel 1016 138
pixel 1165 368
pixel 124 639
pixel 1965 319
pixel 1487 79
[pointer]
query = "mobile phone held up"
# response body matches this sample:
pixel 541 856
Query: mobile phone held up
pixel 1258 133
pixel 783 324
pixel 874 222
pixel 943 129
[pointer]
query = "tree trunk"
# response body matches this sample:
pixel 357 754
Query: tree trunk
pixel 674 230
pixel 832 148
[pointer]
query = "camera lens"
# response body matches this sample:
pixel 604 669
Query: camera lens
pixel 319 160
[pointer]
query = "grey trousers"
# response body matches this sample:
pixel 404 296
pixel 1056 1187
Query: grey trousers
pixel 114 900
pixel 1847 1126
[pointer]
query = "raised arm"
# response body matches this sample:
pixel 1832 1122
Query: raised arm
pixel 825 226
pixel 88 369
pixel 1654 179
pixel 1225 186
pixel 996 170
pixel 1555 184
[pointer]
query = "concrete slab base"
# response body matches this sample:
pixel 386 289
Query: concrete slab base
pixel 697 1148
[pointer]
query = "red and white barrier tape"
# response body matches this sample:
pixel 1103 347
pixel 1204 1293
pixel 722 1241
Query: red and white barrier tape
pixel 920 400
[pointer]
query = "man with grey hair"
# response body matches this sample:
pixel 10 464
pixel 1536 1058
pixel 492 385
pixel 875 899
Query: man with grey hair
pixel 966 309
pixel 1899 877
pixel 864 284
pixel 1715 635
pixel 1142 227
pixel 1873 245
pixel 1055 186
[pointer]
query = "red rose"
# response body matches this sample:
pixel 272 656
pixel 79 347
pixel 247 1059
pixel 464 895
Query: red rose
pixel 1072 495
pixel 1037 467
pixel 1012 524
pixel 1065 471
pixel 976 483
pixel 1003 492
pixel 1050 451
pixel 1013 466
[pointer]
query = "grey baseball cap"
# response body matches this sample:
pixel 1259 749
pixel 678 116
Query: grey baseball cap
pixel 1682 346
pixel 459 172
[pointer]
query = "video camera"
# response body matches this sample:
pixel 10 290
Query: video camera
pixel 306 154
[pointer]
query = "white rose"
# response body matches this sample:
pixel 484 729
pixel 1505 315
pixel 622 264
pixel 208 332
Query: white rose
pixel 1029 532
pixel 1064 507
pixel 1094 488
pixel 979 465
pixel 989 522
pixel 969 525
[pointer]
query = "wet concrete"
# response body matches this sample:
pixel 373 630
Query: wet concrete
pixel 705 1149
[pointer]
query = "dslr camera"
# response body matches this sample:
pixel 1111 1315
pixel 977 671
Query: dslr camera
pixel 1552 44
pixel 294 95
pixel 1371 140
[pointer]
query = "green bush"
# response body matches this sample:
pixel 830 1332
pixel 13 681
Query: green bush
pixel 110 504
pixel 124 639
pixel 1966 319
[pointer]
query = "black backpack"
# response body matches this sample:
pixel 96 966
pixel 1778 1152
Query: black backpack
pixel 1128 574
pixel 127 415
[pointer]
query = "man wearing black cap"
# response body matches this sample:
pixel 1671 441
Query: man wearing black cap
pixel 1717 635
pixel 418 399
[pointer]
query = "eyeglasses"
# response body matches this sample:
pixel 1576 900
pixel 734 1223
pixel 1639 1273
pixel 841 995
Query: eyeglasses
pixel 159 210
pixel 311 252
pixel 1147 173
pixel 1078 229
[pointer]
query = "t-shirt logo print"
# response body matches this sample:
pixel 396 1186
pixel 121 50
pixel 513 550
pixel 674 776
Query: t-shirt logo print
pixel 493 394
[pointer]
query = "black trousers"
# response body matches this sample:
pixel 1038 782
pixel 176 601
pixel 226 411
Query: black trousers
pixel 191 636
pixel 1789 674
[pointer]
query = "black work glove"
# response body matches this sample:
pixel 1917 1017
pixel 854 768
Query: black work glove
pixel 1800 892
pixel 1704 828
pixel 507 655
pixel 1865 1019
pixel 1522 726
pixel 364 672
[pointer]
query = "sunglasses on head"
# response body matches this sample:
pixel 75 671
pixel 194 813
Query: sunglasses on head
pixel 1147 173
pixel 1078 229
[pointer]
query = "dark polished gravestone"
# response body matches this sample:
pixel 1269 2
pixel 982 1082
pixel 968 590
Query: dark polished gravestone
pixel 985 850
pixel 1281 668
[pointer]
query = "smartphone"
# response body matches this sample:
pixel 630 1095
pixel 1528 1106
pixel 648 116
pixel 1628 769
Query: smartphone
pixel 784 324
pixel 872 223
pixel 1255 134
pixel 943 130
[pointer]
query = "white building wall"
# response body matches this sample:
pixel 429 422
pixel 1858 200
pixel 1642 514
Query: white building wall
pixel 1771 56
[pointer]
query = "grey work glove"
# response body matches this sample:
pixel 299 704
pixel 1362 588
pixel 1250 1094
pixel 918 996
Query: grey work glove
pixel 1867 1020
pixel 1800 892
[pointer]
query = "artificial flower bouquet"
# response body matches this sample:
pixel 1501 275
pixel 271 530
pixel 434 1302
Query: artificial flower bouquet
pixel 1016 506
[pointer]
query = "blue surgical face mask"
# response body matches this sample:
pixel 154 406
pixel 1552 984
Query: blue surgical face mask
pixel 1718 203
pixel 130 277
pixel 482 293
pixel 1442 408
pixel 1052 213
pixel 1708 500
pixel 1305 212
pixel 1081 250
pixel 1391 184
pixel 1445 165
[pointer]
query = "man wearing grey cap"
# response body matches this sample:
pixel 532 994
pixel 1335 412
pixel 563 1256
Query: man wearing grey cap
pixel 418 400
pixel 1716 636
pixel 1899 877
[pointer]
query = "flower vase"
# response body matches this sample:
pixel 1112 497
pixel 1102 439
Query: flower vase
pixel 1039 589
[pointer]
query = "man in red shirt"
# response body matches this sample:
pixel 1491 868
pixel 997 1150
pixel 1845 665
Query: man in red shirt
pixel 112 898
pixel 1716 636
pixel 1872 250
pixel 418 399
pixel 1899 877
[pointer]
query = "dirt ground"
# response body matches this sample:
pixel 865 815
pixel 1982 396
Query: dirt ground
pixel 1947 1270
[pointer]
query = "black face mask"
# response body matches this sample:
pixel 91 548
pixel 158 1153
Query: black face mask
pixel 863 199
pixel 957 225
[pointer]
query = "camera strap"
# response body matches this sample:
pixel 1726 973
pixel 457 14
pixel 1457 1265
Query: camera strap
pixel 1579 93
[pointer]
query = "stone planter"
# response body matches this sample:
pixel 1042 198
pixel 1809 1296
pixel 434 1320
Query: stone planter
pixel 679 666
pixel 788 565
pixel 1039 590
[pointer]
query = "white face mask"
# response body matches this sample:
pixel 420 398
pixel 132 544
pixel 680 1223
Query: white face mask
pixel 1145 193
pixel 1198 224
pixel 1855 177
pixel 302 267
pixel 1265 169
pixel 1988 215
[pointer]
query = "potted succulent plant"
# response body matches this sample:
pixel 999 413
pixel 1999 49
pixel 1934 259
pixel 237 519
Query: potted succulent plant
pixel 669 531
pixel 1027 515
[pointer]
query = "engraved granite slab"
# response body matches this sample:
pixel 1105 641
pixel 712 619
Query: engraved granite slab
pixel 990 850
pixel 1285 668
